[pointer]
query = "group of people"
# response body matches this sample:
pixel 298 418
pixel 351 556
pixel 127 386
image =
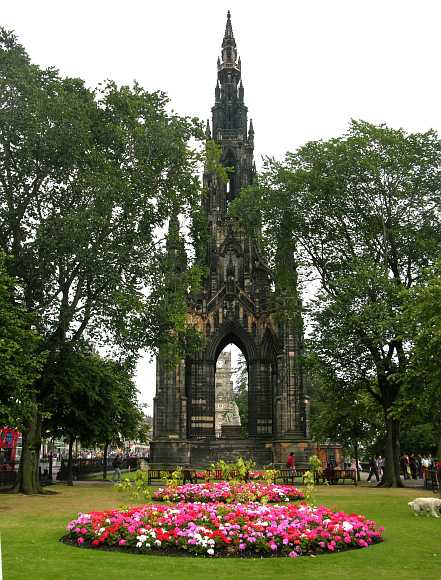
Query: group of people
pixel 416 466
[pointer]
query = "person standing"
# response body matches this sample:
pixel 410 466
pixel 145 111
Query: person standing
pixel 291 466
pixel 291 462
pixel 405 466
pixel 380 463
pixel 116 464
pixel 425 466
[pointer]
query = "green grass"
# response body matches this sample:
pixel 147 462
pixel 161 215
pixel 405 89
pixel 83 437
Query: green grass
pixel 31 527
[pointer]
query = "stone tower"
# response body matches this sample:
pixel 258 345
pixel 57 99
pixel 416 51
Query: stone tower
pixel 227 418
pixel 235 306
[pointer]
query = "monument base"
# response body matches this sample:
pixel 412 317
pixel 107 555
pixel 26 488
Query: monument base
pixel 204 452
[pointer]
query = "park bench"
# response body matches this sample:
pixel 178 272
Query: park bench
pixel 214 474
pixel 431 480
pixel 333 476
pixel 157 474
pixel 285 475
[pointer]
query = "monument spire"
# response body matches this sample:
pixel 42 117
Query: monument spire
pixel 229 52
pixel 230 122
pixel 233 305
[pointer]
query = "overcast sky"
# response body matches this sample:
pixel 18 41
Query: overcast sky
pixel 308 66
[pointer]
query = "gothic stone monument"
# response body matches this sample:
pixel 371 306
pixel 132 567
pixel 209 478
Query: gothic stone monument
pixel 234 307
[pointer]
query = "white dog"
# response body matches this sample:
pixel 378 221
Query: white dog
pixel 428 505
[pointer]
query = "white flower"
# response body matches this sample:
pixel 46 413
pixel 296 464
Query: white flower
pixel 347 526
pixel 210 551
pixel 139 544
pixel 142 538
pixel 158 543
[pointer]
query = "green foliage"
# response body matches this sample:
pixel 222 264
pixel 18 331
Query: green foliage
pixel 269 475
pixel 93 399
pixel 340 410
pixel 87 180
pixel 423 387
pixel 213 163
pixel 174 478
pixel 136 487
pixel 237 471
pixel 21 359
pixel 311 477
pixel 360 214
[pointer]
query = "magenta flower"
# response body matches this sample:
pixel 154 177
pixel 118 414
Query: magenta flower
pixel 225 528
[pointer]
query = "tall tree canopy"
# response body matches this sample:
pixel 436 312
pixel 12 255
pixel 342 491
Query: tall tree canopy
pixel 87 180
pixel 93 400
pixel 21 359
pixel 362 212
pixel 424 381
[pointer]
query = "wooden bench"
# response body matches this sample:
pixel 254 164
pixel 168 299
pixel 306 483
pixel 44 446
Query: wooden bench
pixel 333 476
pixel 285 475
pixel 156 474
pixel 215 474
pixel 431 480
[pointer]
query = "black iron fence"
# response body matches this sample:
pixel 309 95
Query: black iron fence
pixel 83 467
pixel 8 472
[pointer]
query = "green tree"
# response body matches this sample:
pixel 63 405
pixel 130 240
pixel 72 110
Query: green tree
pixel 343 412
pixel 93 400
pixel 87 180
pixel 362 214
pixel 20 359
pixel 424 383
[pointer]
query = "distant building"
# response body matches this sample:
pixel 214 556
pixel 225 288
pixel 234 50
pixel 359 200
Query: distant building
pixel 226 409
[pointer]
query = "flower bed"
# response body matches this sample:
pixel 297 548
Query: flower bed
pixel 224 491
pixel 224 530
pixel 251 474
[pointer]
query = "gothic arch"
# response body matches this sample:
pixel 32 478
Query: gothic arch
pixel 231 332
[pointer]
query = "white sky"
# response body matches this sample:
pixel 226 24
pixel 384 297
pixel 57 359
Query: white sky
pixel 308 66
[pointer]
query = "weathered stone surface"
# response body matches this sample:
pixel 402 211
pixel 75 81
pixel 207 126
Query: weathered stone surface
pixel 234 307
pixel 227 418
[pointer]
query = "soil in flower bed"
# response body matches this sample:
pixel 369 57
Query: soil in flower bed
pixel 217 529
pixel 225 491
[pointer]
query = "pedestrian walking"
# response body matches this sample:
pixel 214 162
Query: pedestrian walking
pixel 373 469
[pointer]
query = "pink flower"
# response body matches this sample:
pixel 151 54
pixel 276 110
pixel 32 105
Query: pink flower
pixel 227 528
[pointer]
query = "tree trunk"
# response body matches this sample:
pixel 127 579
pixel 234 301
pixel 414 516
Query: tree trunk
pixel 356 459
pixel 106 449
pixel 391 472
pixel 28 480
pixel 70 462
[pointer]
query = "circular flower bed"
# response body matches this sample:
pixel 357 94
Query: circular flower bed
pixel 225 491
pixel 225 530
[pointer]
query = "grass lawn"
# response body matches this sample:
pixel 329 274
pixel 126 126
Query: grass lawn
pixel 31 526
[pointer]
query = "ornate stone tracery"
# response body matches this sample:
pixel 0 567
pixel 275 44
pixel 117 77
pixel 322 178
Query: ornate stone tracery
pixel 234 307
